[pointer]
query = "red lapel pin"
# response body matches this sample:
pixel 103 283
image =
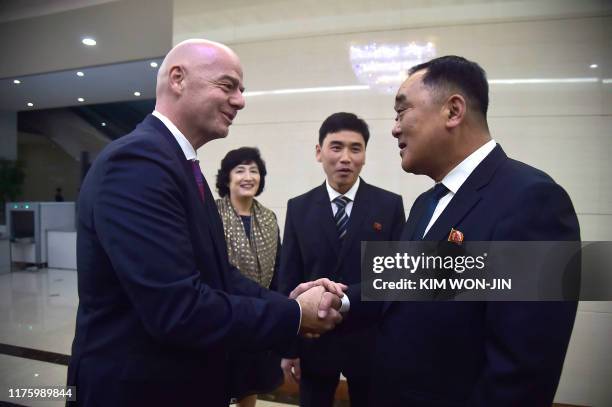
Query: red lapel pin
pixel 377 226
pixel 455 236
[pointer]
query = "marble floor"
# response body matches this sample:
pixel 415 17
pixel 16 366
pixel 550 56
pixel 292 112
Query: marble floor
pixel 37 312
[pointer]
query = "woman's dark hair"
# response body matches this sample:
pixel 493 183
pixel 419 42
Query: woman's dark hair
pixel 242 155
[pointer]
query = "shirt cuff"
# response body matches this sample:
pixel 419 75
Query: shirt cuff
pixel 300 321
pixel 346 304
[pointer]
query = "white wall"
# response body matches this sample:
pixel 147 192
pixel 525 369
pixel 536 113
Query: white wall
pixel 563 128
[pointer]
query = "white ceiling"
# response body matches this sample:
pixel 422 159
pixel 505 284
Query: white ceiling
pixel 41 43
pixel 16 10
pixel 102 84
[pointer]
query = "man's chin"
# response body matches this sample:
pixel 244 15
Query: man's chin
pixel 221 134
pixel 345 182
pixel 406 166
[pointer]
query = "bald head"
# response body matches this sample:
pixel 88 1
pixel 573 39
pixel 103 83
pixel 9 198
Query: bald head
pixel 199 88
pixel 190 53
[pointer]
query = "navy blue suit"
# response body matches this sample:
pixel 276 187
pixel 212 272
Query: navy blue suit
pixel 498 354
pixel 160 306
pixel 312 250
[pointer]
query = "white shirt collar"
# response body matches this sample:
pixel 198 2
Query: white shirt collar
pixel 186 146
pixel 461 172
pixel 333 194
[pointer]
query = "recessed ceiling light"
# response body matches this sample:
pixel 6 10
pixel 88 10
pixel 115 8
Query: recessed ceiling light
pixel 30 104
pixel 103 124
pixel 81 99
pixel 593 66
pixel 89 41
pixel 153 64
pixel 136 93
pixel 16 81
pixel 79 73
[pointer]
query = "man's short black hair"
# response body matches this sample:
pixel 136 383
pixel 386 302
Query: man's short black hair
pixel 344 121
pixel 242 155
pixel 455 73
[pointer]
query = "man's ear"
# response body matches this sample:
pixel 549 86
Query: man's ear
pixel 177 78
pixel 318 152
pixel 456 109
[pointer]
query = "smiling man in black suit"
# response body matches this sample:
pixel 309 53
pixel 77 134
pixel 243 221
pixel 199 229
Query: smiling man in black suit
pixel 160 306
pixel 477 354
pixel 323 232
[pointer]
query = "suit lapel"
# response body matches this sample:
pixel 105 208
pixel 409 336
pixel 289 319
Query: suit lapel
pixel 206 212
pixel 413 220
pixel 323 216
pixel 462 203
pixel 459 206
pixel 215 229
pixel 467 196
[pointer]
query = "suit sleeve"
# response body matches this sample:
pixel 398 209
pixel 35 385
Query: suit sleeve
pixel 291 271
pixel 526 341
pixel 142 224
pixel 399 219
pixel 246 287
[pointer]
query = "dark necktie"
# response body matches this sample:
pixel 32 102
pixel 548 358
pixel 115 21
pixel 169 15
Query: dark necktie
pixel 341 218
pixel 197 174
pixel 438 192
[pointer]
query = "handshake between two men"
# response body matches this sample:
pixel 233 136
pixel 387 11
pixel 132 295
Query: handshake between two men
pixel 320 302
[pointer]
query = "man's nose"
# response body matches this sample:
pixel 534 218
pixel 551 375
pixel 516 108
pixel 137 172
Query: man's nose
pixel 237 100
pixel 345 156
pixel 396 131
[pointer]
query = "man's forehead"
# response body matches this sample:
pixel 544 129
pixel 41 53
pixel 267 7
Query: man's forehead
pixel 412 83
pixel 345 137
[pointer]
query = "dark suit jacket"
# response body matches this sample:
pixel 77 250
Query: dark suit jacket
pixel 160 306
pixel 311 250
pixel 475 353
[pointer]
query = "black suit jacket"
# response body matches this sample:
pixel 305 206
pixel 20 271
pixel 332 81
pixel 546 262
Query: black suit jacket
pixel 160 307
pixel 498 354
pixel 311 250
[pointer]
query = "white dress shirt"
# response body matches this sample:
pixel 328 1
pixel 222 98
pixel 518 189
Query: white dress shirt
pixel 457 176
pixel 333 194
pixel 188 150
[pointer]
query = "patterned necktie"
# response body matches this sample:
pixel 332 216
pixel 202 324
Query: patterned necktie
pixel 341 218
pixel 197 174
pixel 438 192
